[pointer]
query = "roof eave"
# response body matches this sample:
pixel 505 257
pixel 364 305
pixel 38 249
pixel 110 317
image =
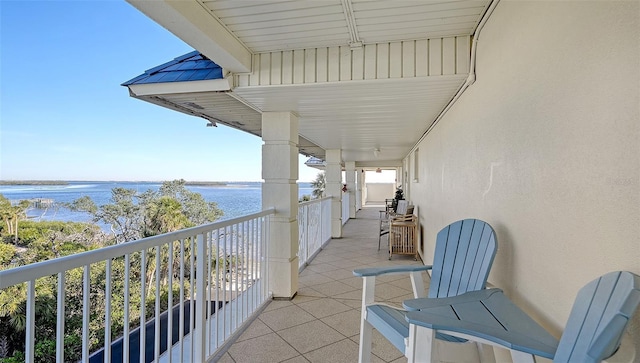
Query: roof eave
pixel 153 89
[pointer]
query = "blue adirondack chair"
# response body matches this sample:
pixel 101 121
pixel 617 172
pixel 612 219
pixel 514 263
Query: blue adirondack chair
pixel 463 256
pixel 594 330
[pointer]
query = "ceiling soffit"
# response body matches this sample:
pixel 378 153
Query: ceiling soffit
pixel 361 74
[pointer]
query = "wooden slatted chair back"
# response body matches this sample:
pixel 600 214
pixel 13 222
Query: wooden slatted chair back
pixel 464 253
pixel 402 207
pixel 599 316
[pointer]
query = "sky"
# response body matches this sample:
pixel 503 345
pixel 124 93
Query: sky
pixel 64 115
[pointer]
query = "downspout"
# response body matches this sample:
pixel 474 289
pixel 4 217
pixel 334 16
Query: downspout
pixel 472 70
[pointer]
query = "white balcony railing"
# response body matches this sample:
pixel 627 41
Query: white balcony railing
pixel 206 281
pixel 314 228
pixel 345 207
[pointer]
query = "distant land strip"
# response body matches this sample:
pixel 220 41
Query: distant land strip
pixel 33 182
pixel 204 184
pixel 62 182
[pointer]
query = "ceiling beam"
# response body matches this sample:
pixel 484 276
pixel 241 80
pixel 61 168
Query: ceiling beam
pixel 350 18
pixel 198 27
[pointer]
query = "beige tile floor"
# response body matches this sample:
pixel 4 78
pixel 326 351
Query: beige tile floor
pixel 322 323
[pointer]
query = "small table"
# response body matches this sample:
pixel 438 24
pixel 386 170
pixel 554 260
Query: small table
pixel 485 316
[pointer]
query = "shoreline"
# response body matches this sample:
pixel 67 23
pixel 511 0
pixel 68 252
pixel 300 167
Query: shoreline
pixel 33 182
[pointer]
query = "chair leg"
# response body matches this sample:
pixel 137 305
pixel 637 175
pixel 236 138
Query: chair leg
pixel 426 350
pixel 380 234
pixel 486 353
pixel 366 330
pixel 521 357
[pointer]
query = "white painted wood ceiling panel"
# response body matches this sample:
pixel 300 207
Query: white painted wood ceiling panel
pixel 268 25
pixel 358 118
pixel 355 116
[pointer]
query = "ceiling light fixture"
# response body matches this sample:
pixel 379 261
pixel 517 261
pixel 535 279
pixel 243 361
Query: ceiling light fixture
pixel 376 152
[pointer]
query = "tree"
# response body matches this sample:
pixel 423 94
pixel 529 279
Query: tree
pixel 7 254
pixel 12 214
pixel 164 215
pixel 319 185
pixel 5 213
pixel 133 216
pixel 194 207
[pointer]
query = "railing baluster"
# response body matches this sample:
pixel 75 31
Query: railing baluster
pixel 125 340
pixel 107 312
pixel 234 285
pixel 251 258
pixel 156 334
pixel 201 301
pixel 60 318
pixel 209 285
pixel 30 333
pixel 218 279
pixel 181 312
pixel 143 304
pixel 192 294
pixel 170 304
pixel 245 267
pixel 86 291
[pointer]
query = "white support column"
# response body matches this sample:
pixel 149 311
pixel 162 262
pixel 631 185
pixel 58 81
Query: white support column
pixel 350 176
pixel 280 191
pixel 359 185
pixel 363 188
pixel 334 188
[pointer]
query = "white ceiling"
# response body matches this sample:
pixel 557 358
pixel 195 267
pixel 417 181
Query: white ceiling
pixel 264 26
pixel 355 116
pixel 358 118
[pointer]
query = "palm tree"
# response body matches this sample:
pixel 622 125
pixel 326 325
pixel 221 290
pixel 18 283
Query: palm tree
pixel 318 185
pixel 12 214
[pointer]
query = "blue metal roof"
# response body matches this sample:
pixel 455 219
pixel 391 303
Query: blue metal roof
pixel 189 67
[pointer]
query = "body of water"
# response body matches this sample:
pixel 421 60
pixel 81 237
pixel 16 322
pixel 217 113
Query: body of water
pixel 234 198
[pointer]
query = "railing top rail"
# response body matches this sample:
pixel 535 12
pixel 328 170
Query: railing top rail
pixel 314 201
pixel 37 270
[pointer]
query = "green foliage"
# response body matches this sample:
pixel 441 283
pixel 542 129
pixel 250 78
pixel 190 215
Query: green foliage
pixel 18 357
pixel 319 185
pixel 52 239
pixel 164 215
pixel 195 208
pixel 84 203
pixel 7 254
pixel 304 198
pixel 132 215
pixel 11 215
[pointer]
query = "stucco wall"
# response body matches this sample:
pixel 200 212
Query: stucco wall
pixel 378 192
pixel 545 146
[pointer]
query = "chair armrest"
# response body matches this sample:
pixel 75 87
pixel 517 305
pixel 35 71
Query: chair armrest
pixel 626 353
pixel 486 316
pixel 402 218
pixel 377 271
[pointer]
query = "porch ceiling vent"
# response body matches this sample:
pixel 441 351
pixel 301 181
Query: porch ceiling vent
pixel 194 105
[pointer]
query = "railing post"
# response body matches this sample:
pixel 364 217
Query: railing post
pixel 199 334
pixel 308 229
pixel 305 233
